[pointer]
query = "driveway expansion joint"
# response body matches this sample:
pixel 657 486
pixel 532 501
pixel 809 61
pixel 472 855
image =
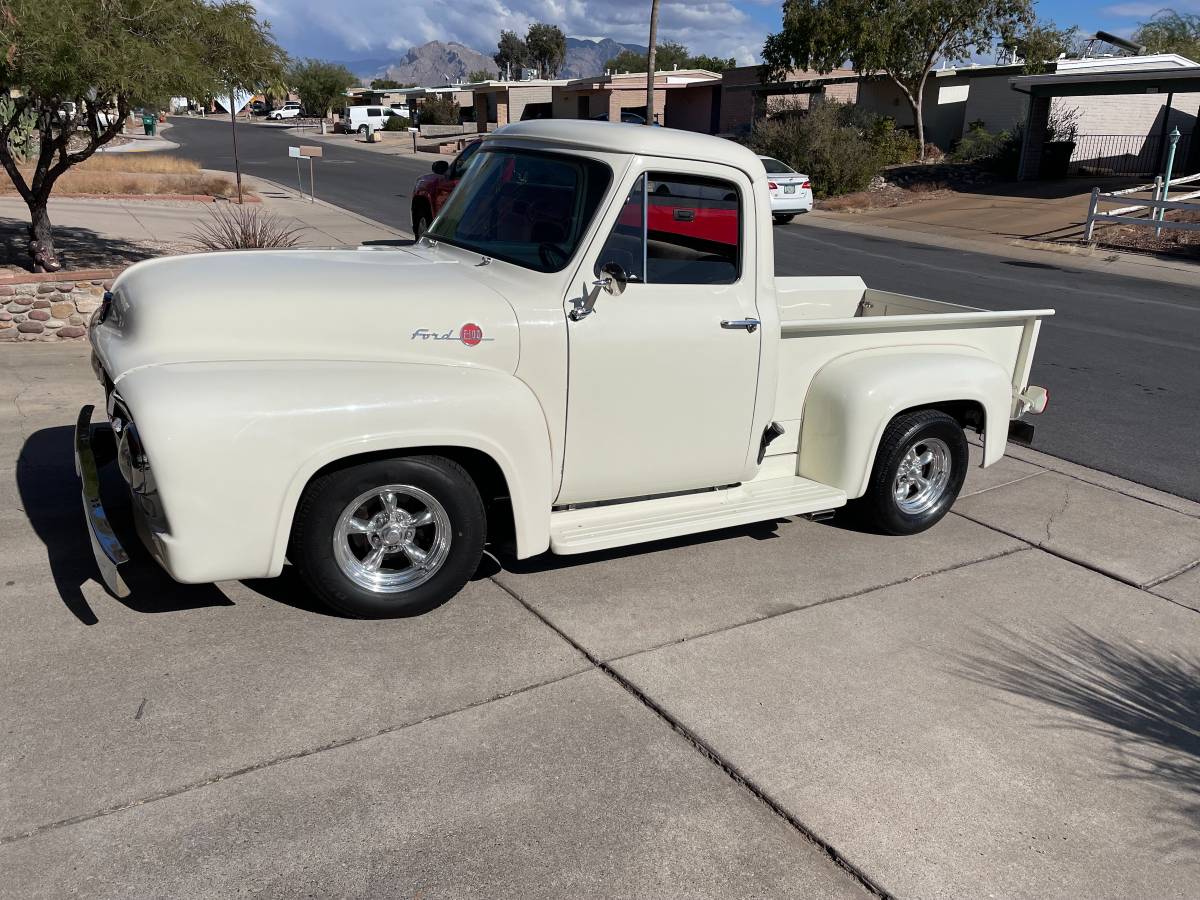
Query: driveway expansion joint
pixel 819 603
pixel 273 761
pixel 854 872
pixel 1084 564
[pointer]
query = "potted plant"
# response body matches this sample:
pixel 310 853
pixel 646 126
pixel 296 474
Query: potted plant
pixel 1061 130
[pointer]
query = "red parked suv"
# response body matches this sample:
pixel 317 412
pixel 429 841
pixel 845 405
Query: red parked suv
pixel 431 191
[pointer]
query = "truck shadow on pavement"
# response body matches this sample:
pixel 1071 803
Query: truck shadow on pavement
pixel 49 491
pixel 1146 703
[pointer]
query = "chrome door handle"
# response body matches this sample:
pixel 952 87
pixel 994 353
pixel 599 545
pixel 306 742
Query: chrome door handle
pixel 751 325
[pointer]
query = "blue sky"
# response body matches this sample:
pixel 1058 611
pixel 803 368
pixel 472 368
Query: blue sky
pixel 356 29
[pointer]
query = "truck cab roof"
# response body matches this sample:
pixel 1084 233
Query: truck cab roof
pixel 613 137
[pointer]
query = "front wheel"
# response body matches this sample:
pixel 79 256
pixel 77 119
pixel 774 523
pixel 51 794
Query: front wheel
pixel 420 222
pixel 389 538
pixel 918 472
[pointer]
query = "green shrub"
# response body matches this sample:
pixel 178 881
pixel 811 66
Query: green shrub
pixel 832 144
pixel 999 151
pixel 896 146
pixel 440 110
pixel 396 123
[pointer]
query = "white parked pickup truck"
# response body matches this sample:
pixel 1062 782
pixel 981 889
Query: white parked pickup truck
pixel 589 348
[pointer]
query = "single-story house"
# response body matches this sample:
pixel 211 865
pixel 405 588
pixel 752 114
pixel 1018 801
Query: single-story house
pixel 745 97
pixel 1148 103
pixel 499 102
pixel 689 99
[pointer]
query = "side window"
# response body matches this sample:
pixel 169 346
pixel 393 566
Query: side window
pixel 459 167
pixel 677 229
pixel 626 244
pixel 374 113
pixel 693 229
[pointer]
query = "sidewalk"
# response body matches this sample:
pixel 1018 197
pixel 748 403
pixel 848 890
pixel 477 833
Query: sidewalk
pixel 105 233
pixel 1021 221
pixel 1004 705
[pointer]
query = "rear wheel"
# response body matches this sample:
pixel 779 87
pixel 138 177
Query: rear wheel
pixel 389 538
pixel 783 218
pixel 918 472
pixel 362 130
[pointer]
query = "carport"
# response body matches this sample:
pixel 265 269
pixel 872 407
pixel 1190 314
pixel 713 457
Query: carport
pixel 1149 152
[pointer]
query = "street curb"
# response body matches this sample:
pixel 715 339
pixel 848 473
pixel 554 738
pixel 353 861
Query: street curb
pixel 1114 262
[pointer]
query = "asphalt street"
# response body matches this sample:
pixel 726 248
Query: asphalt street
pixel 1121 358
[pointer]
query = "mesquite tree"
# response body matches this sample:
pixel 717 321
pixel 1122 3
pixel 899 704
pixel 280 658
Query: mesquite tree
pixel 72 71
pixel 902 39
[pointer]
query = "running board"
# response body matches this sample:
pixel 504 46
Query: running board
pixel 617 525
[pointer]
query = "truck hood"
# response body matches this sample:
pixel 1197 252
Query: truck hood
pixel 364 305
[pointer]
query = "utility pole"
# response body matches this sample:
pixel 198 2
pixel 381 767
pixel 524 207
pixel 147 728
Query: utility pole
pixel 237 169
pixel 650 63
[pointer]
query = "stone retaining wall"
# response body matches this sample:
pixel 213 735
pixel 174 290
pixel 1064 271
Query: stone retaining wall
pixel 36 308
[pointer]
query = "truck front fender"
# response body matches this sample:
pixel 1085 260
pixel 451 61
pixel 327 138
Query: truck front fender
pixel 852 399
pixel 232 446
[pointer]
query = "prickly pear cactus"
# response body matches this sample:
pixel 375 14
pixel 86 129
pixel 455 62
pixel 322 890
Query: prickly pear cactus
pixel 20 139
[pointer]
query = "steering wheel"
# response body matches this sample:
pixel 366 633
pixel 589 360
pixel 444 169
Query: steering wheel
pixel 552 255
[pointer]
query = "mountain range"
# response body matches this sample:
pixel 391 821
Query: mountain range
pixel 439 62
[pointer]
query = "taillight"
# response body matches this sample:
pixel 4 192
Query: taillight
pixel 806 186
pixel 772 185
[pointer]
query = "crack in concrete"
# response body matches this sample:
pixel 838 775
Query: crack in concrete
pixel 1057 513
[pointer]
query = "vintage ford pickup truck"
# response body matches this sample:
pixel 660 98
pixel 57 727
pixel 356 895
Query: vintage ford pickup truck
pixel 588 348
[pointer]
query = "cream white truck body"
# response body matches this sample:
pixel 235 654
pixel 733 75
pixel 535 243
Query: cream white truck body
pixel 641 420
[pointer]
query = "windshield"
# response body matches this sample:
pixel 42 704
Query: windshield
pixel 775 167
pixel 522 206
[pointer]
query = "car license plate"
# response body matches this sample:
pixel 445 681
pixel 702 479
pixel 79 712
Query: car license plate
pixel 789 189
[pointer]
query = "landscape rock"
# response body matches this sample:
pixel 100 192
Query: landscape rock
pixel 31 327
pixel 46 288
pixel 62 310
pixel 72 331
pixel 41 304
pixel 39 315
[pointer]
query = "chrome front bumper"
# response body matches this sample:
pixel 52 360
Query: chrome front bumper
pixel 105 547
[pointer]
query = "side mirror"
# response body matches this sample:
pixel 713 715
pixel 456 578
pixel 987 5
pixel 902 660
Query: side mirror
pixel 614 278
pixel 441 167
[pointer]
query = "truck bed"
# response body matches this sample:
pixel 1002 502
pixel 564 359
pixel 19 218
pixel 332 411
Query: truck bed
pixel 822 318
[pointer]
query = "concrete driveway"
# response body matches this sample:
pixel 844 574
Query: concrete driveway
pixel 1005 706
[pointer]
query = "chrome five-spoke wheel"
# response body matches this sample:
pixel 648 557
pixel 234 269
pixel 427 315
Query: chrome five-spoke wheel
pixel 392 538
pixel 918 472
pixel 922 476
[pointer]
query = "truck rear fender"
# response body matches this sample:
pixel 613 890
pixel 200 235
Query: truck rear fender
pixel 852 399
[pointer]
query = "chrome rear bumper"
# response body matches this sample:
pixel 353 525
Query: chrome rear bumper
pixel 105 547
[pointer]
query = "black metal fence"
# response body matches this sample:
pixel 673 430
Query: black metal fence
pixel 1126 154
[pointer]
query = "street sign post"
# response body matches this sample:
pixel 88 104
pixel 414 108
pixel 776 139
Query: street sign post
pixel 309 153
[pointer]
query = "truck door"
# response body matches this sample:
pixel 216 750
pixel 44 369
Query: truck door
pixel 663 370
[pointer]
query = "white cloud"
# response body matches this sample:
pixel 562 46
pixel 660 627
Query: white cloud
pixel 361 28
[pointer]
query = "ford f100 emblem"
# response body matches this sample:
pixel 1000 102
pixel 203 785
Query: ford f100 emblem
pixel 470 334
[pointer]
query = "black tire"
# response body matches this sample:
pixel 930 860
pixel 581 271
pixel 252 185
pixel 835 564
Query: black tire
pixel 420 221
pixel 784 218
pixel 362 130
pixel 924 431
pixel 326 500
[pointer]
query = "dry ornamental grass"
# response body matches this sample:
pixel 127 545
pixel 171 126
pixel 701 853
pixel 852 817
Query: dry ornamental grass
pixel 134 173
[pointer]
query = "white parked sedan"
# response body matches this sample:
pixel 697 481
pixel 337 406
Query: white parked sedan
pixel 791 192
